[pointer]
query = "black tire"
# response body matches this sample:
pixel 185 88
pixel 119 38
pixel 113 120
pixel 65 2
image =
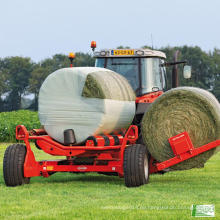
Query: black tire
pixel 13 165
pixel 136 165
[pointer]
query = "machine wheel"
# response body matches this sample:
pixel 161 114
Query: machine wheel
pixel 136 165
pixel 13 165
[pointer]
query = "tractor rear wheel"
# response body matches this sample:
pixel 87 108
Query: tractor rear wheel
pixel 136 165
pixel 13 165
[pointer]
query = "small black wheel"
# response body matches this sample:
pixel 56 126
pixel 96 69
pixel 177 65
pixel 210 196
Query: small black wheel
pixel 13 165
pixel 136 165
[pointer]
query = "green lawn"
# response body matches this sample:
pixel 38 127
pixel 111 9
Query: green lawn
pixel 94 196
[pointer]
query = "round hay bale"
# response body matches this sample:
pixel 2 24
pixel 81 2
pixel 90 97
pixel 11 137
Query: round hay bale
pixel 107 84
pixel 181 109
pixel 88 100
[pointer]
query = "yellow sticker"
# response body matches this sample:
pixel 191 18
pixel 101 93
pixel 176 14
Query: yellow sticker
pixel 49 168
pixel 122 52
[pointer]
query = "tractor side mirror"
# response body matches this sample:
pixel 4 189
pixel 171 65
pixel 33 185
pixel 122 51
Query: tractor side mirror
pixel 187 72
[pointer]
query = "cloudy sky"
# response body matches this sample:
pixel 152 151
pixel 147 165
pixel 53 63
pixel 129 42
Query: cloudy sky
pixel 41 28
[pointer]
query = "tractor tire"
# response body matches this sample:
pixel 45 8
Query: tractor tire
pixel 13 165
pixel 136 165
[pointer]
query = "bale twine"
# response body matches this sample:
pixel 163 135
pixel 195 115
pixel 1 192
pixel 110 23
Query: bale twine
pixel 189 109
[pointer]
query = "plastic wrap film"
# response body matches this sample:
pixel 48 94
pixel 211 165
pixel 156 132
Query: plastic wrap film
pixel 63 104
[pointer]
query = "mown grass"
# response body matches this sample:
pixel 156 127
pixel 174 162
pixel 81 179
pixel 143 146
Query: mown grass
pixel 94 196
pixel 9 121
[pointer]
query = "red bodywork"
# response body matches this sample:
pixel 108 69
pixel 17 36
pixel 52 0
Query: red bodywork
pixel 149 98
pixel 107 158
pixel 112 156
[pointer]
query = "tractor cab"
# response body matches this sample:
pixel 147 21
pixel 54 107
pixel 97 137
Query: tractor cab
pixel 143 68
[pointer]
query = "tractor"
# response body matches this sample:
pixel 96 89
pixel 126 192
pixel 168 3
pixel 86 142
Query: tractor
pixel 122 155
pixel 145 70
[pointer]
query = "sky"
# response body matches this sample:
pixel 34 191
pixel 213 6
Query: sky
pixel 41 28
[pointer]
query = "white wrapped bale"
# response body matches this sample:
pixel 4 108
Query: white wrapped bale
pixel 88 100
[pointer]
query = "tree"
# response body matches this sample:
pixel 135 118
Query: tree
pixel 17 71
pixel 201 62
pixel 84 59
pixel 3 85
pixel 202 66
pixel 3 89
pixel 38 75
pixel 216 59
pixel 216 89
pixel 58 61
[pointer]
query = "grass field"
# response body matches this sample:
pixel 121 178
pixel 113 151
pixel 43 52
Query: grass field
pixel 9 121
pixel 94 196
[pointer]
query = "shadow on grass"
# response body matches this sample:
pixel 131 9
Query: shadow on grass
pixel 113 180
pixel 102 179
pixel 94 178
pixel 82 178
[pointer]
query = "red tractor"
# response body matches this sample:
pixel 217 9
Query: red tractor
pixel 124 154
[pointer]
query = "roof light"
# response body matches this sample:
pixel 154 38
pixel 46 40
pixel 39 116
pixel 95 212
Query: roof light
pixel 140 52
pixel 72 55
pixel 93 45
pixel 102 53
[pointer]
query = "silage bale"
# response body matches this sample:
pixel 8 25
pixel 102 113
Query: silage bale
pixel 107 85
pixel 182 109
pixel 89 100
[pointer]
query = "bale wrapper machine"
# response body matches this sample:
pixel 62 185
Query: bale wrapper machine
pixel 110 154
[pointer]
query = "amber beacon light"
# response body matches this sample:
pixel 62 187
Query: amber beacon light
pixel 93 45
pixel 71 57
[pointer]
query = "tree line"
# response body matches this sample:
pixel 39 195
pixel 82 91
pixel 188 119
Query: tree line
pixel 20 76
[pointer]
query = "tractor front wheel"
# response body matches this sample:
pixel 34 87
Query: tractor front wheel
pixel 136 165
pixel 13 165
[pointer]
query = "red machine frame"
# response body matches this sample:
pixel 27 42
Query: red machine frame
pixel 113 156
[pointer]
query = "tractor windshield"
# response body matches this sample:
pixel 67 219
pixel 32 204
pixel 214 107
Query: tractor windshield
pixel 153 76
pixel 144 74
